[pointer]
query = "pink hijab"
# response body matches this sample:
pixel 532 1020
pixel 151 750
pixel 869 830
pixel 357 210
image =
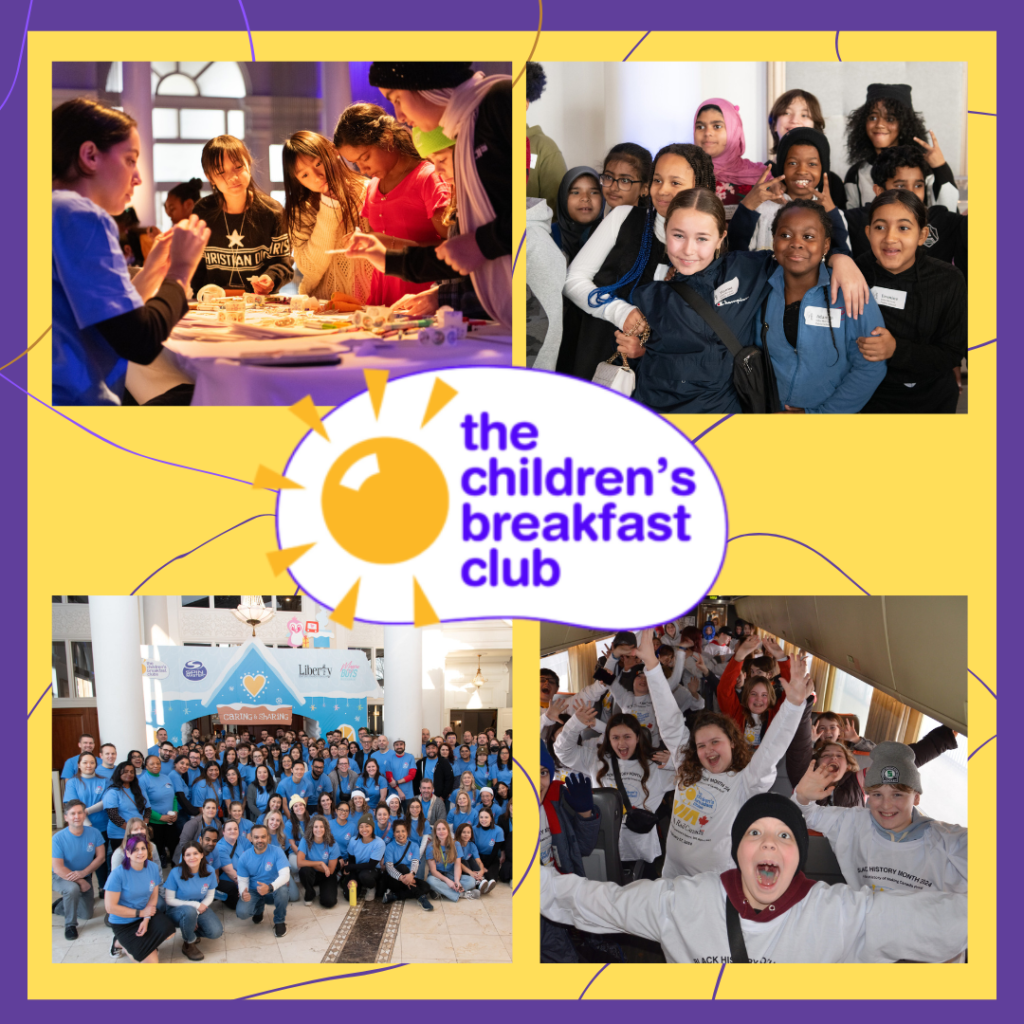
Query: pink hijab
pixel 731 166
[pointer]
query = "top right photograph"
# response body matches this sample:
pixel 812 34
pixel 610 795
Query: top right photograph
pixel 760 237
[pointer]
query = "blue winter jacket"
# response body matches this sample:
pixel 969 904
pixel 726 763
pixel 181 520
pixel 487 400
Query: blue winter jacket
pixel 818 376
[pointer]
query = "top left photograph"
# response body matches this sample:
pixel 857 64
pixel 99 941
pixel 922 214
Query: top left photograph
pixel 254 233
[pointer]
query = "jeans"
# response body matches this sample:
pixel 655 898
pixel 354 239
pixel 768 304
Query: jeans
pixel 190 921
pixel 74 900
pixel 435 883
pixel 293 879
pixel 256 903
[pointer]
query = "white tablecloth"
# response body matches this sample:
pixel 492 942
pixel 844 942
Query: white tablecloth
pixel 224 381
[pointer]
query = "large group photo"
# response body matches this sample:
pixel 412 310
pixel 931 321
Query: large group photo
pixel 766 780
pixel 273 787
pixel 235 233
pixel 764 237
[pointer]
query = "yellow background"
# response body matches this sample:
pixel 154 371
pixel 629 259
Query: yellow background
pixel 904 505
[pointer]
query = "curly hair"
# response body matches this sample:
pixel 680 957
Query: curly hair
pixel 366 124
pixel 642 753
pixel 691 770
pixel 858 144
pixel 702 164
pixel 536 81
pixel 328 836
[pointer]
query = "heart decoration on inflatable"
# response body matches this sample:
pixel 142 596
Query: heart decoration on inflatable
pixel 254 684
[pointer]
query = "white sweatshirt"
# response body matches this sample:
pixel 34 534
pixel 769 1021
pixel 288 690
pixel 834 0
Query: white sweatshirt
pixel 640 706
pixel 766 213
pixel 579 280
pixel 936 862
pixel 831 924
pixel 700 829
pixel 632 845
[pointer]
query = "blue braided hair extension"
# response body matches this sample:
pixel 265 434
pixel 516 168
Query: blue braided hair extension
pixel 601 296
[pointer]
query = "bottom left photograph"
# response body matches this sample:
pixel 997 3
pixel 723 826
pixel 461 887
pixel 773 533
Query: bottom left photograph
pixel 239 779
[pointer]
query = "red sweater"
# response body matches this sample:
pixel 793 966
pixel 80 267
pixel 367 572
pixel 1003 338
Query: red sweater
pixel 729 702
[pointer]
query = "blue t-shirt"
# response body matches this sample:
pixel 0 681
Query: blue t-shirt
pixel 70 767
pixel 396 852
pixel 232 793
pixel 486 838
pixel 122 801
pixel 153 750
pixel 321 785
pixel 295 835
pixel 367 853
pixel 203 790
pixel 400 766
pixel 194 775
pixel 261 867
pixel 133 887
pixel 469 851
pixel 457 819
pixel 195 888
pixel 244 828
pixel 483 775
pixel 445 866
pixel 429 764
pixel 77 852
pixel 159 792
pixel 102 771
pixel 503 775
pixel 222 853
pixel 461 766
pixel 320 851
pixel 382 833
pixel 262 798
pixel 369 789
pixel 248 773
pixel 493 809
pixel 344 834
pixel 90 285
pixel 89 791
pixel 167 767
pixel 288 788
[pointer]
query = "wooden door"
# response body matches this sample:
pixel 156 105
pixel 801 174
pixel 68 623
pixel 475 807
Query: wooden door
pixel 68 725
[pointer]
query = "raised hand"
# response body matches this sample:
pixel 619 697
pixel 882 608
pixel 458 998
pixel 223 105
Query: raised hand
pixel 587 715
pixel 646 648
pixel 816 784
pixel 773 648
pixel 826 196
pixel 579 793
pixel 932 153
pixel 799 686
pixel 751 644
pixel 763 190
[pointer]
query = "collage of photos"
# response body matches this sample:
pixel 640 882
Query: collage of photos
pixel 260 785
pixel 251 233
pixel 758 783
pixel 709 241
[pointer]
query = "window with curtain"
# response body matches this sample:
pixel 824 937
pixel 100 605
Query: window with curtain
pixel 852 696
pixel 944 780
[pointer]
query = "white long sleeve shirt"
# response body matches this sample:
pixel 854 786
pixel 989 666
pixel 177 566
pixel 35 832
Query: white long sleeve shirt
pixel 283 877
pixel 831 924
pixel 632 845
pixel 579 279
pixel 700 829
pixel 935 862
pixel 171 898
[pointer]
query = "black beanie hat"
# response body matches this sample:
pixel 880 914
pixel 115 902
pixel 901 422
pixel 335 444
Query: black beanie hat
pixel 804 137
pixel 900 93
pixel 420 75
pixel 771 805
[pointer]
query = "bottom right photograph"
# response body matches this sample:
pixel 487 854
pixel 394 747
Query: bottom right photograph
pixel 765 780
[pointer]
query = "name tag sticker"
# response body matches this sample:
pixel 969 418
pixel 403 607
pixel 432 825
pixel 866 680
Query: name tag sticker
pixel 660 271
pixel 818 316
pixel 723 291
pixel 533 160
pixel 890 297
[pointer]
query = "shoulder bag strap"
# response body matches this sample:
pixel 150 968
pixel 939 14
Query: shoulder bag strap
pixel 618 784
pixel 737 947
pixel 769 368
pixel 708 315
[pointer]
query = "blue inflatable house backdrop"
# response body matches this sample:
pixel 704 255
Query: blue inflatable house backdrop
pixel 255 687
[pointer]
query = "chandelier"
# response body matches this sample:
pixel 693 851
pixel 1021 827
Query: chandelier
pixel 479 679
pixel 253 612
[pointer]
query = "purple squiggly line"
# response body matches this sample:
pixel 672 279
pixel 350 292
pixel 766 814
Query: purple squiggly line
pixel 985 744
pixel 252 49
pixel 198 546
pixel 41 696
pixel 114 444
pixel 985 113
pixel 840 59
pixel 983 344
pixel 712 427
pixel 516 260
pixel 983 683
pixel 721 970
pixel 537 847
pixel 630 54
pixel 792 540
pixel 317 981
pixel 591 982
pixel 21 53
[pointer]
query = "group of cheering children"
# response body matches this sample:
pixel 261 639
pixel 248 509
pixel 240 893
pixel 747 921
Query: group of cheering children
pixel 243 821
pixel 382 214
pixel 854 290
pixel 699 737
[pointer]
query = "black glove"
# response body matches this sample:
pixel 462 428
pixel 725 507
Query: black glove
pixel 579 792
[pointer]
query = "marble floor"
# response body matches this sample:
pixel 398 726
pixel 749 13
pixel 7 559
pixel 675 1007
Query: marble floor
pixel 470 931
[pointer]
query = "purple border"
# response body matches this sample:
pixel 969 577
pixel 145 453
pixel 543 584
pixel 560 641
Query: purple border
pixel 564 379
pixel 464 15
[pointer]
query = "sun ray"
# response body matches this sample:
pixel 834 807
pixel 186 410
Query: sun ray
pixel 345 613
pixel 440 396
pixel 281 560
pixel 423 613
pixel 306 411
pixel 270 480
pixel 376 381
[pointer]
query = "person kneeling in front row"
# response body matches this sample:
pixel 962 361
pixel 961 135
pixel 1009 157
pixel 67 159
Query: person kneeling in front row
pixel 266 868
pixel 77 851
pixel 189 892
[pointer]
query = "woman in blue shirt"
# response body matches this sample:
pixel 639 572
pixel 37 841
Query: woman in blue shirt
pixel 189 893
pixel 274 803
pixel 464 762
pixel 489 838
pixel 486 803
pixel 325 805
pixel 401 863
pixel 130 901
pixel 358 805
pixel 224 859
pixel 235 813
pixel 318 860
pixel 259 792
pixel 444 866
pixel 88 787
pixel 503 769
pixel 102 318
pixel 123 800
pixel 208 786
pixel 232 787
pixel 502 792
pixel 365 854
pixel 382 824
pixel 461 811
pixel 343 827
pixel 369 781
pixel 470 857
pixel 813 344
pixel 483 772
